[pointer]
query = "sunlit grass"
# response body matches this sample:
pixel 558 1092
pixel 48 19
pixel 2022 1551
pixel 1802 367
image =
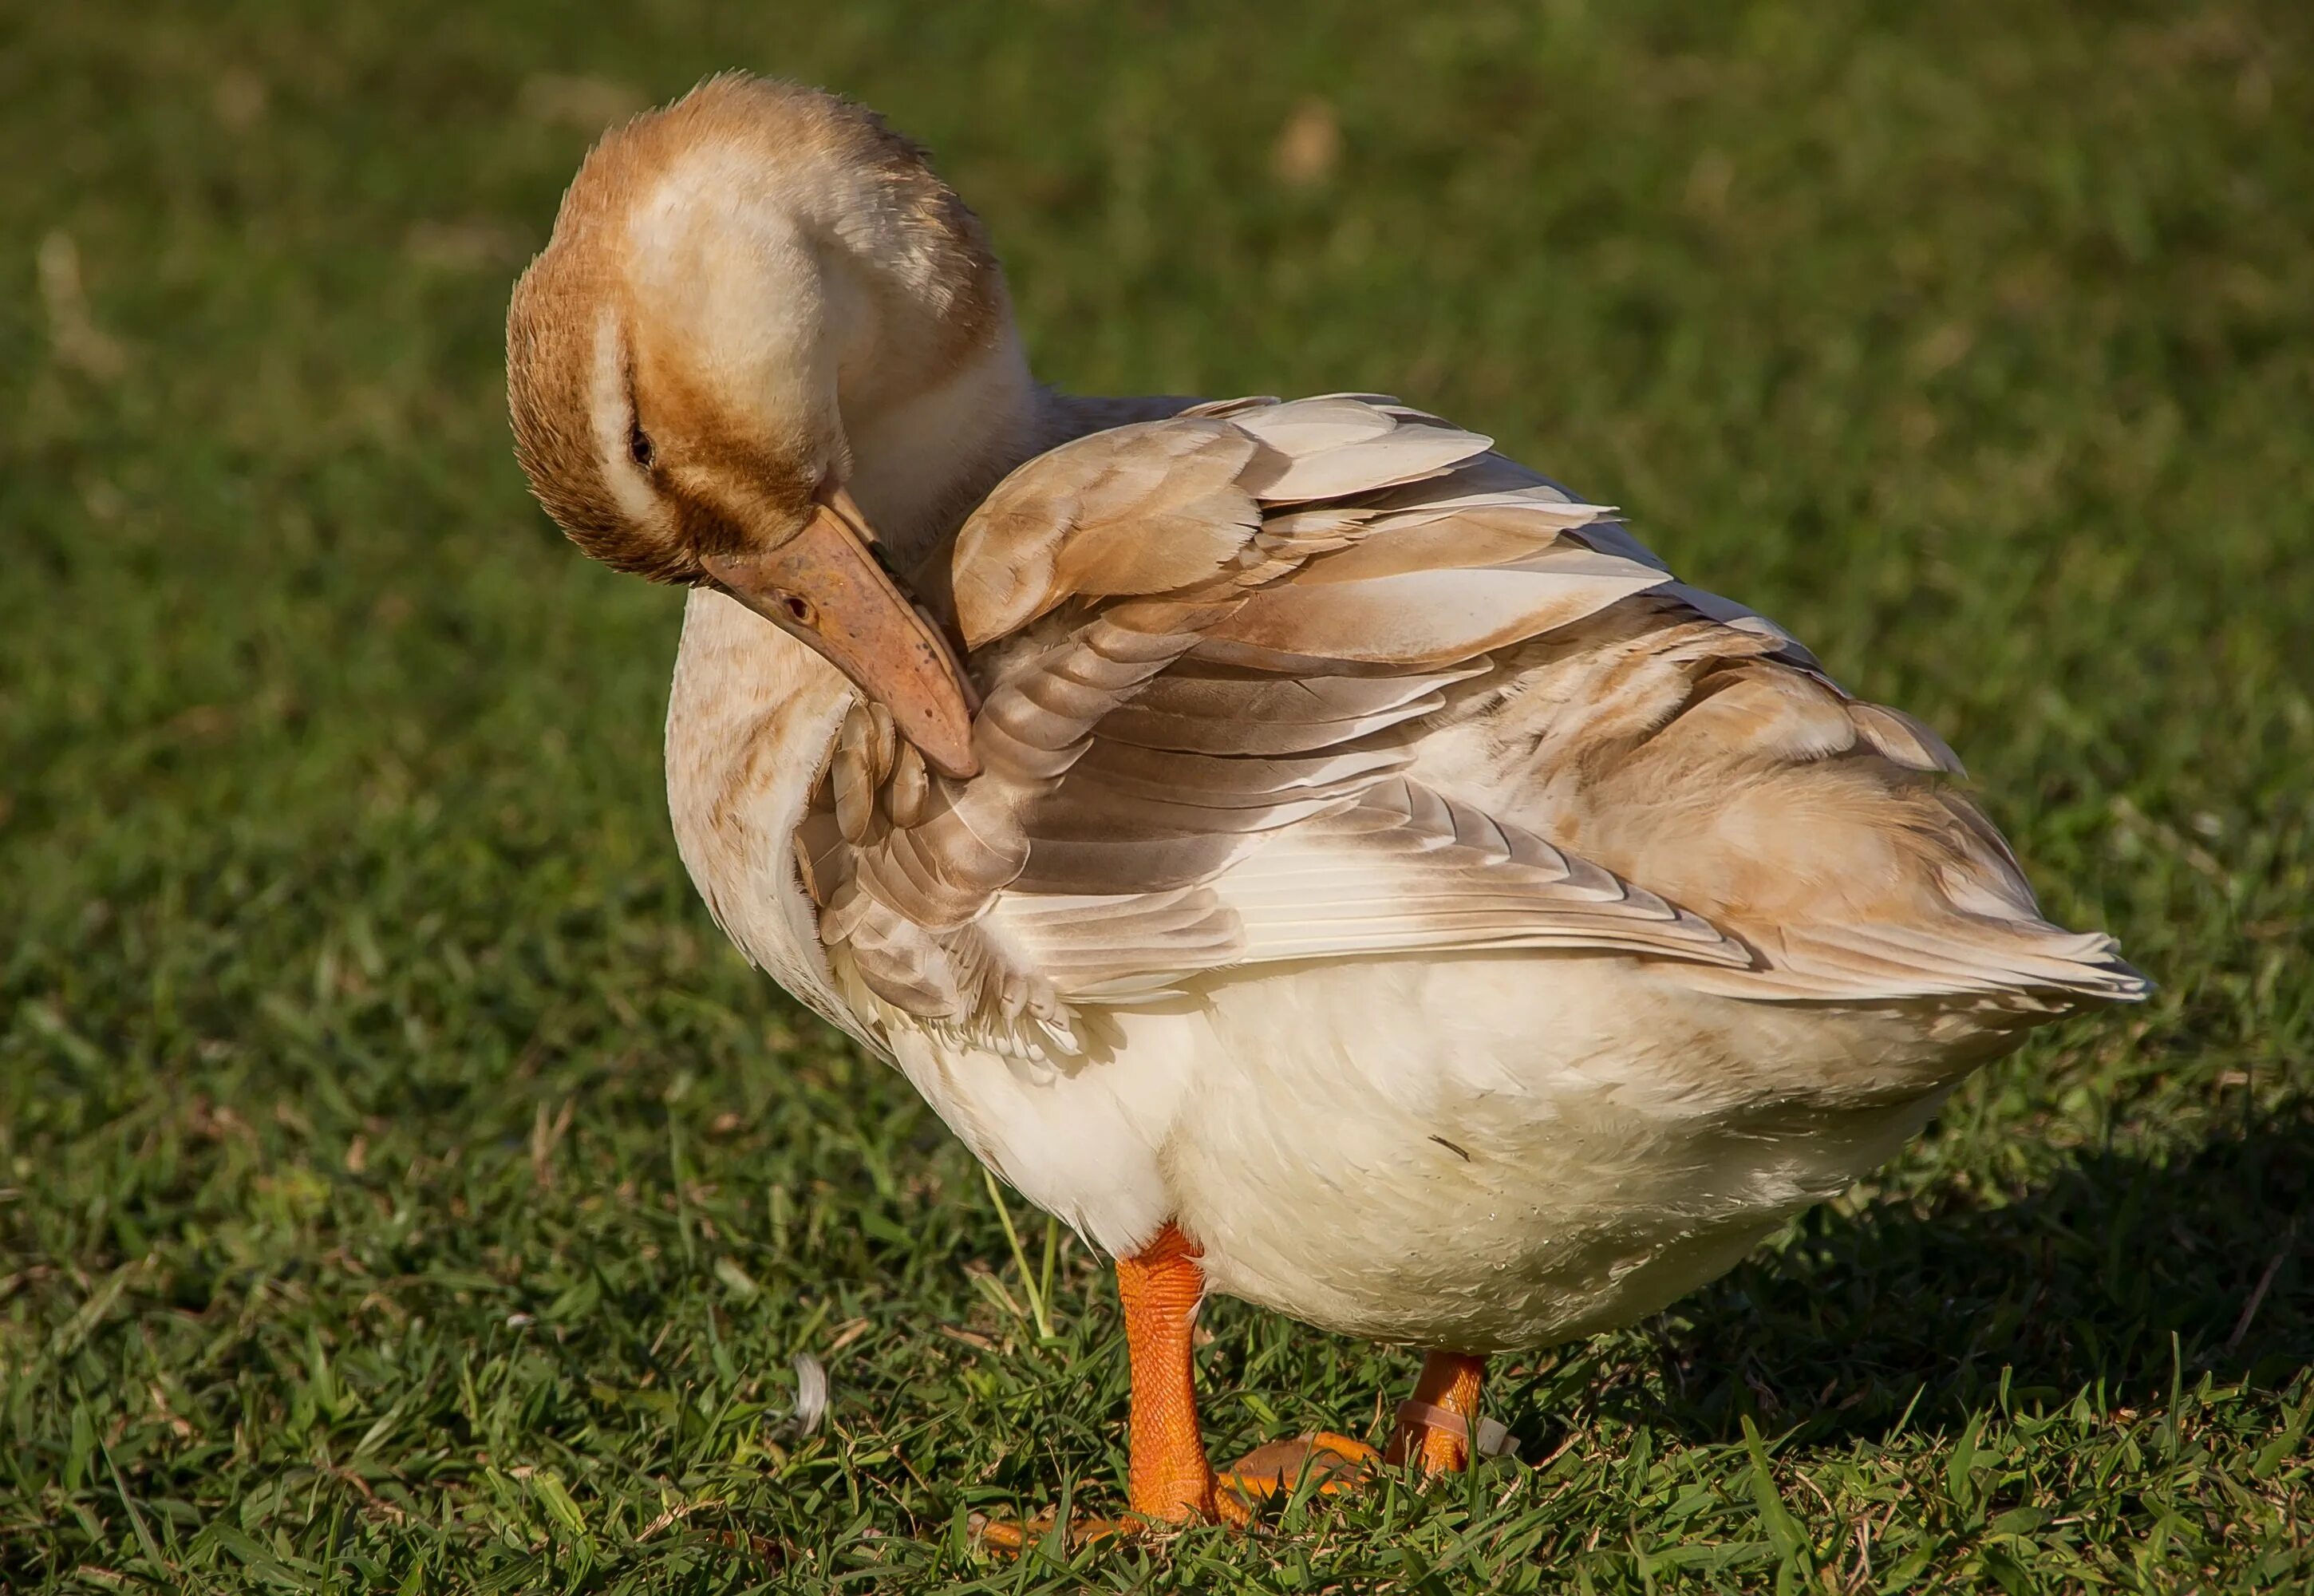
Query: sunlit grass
pixel 403 1187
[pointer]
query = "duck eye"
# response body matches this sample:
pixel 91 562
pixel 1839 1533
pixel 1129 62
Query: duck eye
pixel 638 445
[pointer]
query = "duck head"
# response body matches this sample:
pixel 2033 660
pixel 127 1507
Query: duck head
pixel 768 351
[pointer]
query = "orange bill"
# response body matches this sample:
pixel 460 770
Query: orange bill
pixel 823 587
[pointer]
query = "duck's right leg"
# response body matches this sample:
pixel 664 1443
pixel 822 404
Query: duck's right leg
pixel 1168 1480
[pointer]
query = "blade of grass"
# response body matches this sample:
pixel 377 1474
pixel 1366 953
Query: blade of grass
pixel 1028 1286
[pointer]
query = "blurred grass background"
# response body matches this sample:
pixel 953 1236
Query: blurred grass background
pixel 403 1187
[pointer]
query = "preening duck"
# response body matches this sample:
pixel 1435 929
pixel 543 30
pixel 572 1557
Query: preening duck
pixel 1318 858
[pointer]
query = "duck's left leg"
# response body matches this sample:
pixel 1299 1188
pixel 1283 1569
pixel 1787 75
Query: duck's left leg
pixel 1435 1427
pixel 1435 1431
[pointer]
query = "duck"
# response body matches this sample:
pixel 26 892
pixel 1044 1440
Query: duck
pixel 1321 859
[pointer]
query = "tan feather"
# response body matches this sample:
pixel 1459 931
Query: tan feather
pixel 911 785
pixel 1140 509
pixel 1425 617
pixel 1206 714
pixel 854 773
pixel 1198 708
pixel 1364 465
pixel 1904 739
pixel 1490 535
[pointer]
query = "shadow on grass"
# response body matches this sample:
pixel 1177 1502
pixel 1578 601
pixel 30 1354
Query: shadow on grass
pixel 2116 1278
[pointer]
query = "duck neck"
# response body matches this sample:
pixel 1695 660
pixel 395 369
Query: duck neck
pixel 920 467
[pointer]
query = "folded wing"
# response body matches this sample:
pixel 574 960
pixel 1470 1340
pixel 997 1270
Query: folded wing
pixel 1259 681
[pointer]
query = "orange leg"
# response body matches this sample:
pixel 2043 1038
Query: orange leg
pixel 1167 1480
pixel 1167 1476
pixel 1450 1386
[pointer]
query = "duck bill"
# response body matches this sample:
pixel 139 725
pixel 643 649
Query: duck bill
pixel 824 588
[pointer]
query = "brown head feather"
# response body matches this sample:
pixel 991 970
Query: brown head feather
pixel 788 138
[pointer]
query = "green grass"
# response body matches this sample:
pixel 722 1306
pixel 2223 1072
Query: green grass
pixel 403 1188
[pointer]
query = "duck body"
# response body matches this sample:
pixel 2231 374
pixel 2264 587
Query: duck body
pixel 1480 1148
pixel 1312 854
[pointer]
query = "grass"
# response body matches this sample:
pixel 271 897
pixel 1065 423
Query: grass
pixel 403 1187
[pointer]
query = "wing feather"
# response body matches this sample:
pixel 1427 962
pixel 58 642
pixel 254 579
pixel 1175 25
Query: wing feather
pixel 1230 658
pixel 1428 617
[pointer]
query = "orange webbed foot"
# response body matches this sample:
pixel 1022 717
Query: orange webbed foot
pixel 1012 1537
pixel 1333 1463
pixel 1168 1482
pixel 1009 1538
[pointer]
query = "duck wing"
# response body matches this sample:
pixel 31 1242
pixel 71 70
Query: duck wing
pixel 1273 682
